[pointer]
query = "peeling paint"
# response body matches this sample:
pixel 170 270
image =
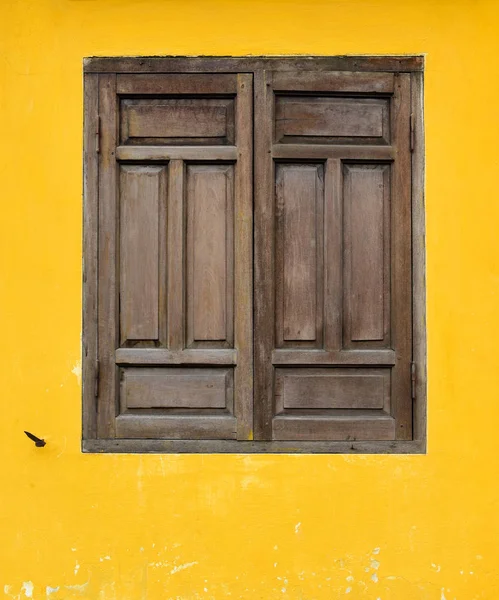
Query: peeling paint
pixel 76 370
pixel 51 590
pixel 182 567
pixel 27 588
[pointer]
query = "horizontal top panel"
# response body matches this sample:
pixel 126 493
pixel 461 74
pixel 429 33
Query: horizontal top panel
pixel 333 81
pixel 176 84
pixel 177 64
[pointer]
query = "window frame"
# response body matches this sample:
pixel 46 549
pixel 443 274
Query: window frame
pixel 414 65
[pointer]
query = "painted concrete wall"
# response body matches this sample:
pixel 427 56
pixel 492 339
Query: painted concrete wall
pixel 255 527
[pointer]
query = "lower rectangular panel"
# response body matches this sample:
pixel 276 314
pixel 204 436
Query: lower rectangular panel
pixel 344 428
pixel 176 388
pixel 332 388
pixel 178 427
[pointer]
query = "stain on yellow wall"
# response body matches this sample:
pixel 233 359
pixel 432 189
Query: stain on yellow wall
pixel 123 527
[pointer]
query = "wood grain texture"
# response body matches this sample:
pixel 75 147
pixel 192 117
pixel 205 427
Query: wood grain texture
pixel 324 433
pixel 334 81
pixel 175 286
pixel 362 427
pixel 320 120
pixel 152 446
pixel 176 388
pixel 160 356
pixel 90 254
pixel 299 254
pixel 418 257
pixel 210 255
pixel 176 427
pixel 108 290
pixel 264 297
pixel 243 257
pixel 175 121
pixel 164 153
pixel 342 357
pixel 333 388
pixel 178 64
pixel 142 229
pixel 401 273
pixel 297 152
pixel 176 83
pixel 366 205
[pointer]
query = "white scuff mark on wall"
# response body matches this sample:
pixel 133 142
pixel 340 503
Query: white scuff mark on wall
pixel 6 589
pixel 77 568
pixel 436 567
pixel 350 578
pixel 376 550
pixel 348 590
pixel 375 565
pixel 275 565
pixel 182 567
pixel 77 588
pixel 374 577
pixel 27 588
pixel 103 558
pixel 76 370
pixel 51 590
pixel 442 595
pixel 297 527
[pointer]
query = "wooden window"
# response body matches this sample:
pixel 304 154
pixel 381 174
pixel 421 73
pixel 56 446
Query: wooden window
pixel 254 255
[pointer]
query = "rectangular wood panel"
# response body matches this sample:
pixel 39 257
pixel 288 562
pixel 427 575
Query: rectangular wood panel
pixel 366 198
pixel 332 388
pixel 299 253
pixel 364 426
pixel 174 121
pixel 322 120
pixel 142 235
pixel 210 250
pixel 176 388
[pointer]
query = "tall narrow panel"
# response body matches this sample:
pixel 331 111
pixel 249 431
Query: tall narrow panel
pixel 299 251
pixel 366 194
pixel 209 255
pixel 142 197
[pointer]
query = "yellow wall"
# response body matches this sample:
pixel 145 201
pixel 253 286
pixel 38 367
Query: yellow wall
pixel 257 527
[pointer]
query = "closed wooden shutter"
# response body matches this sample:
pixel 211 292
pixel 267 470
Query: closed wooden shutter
pixel 333 257
pixel 249 249
pixel 175 252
